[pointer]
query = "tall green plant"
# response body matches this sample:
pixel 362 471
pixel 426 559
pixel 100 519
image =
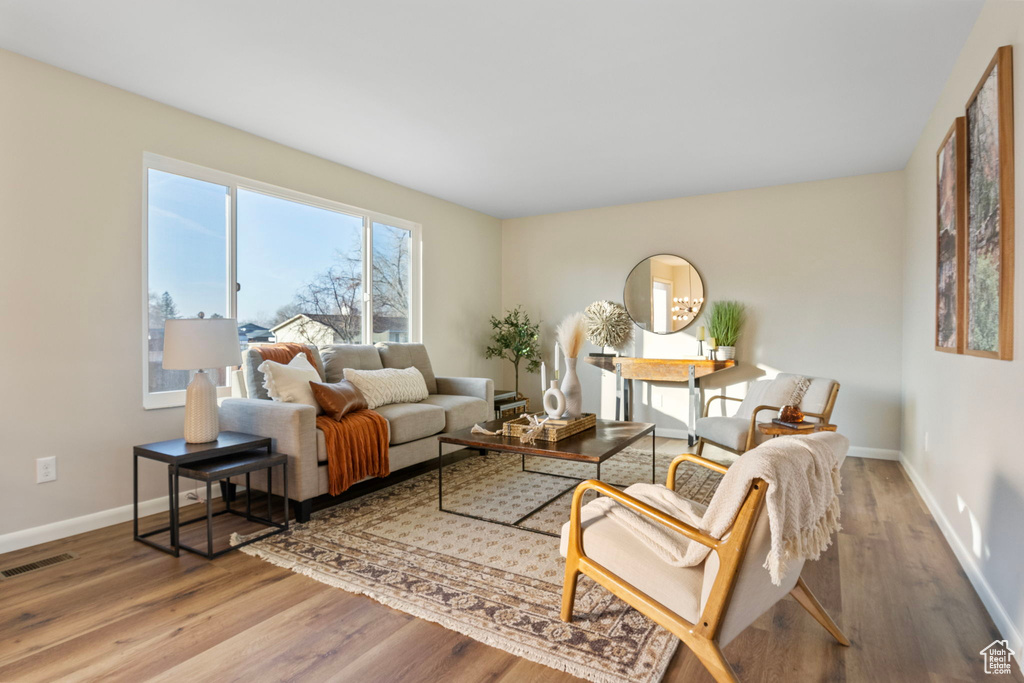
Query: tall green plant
pixel 724 322
pixel 516 339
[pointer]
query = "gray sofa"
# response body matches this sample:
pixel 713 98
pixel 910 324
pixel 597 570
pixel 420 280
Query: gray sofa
pixel 454 403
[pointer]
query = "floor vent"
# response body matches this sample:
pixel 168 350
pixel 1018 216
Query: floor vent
pixel 38 564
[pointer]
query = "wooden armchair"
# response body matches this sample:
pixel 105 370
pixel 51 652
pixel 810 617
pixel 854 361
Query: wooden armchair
pixel 704 606
pixel 738 434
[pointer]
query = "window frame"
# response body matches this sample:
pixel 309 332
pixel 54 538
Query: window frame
pixel 173 399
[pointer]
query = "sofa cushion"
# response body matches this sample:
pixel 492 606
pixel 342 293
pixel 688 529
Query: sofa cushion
pixel 251 360
pixel 337 357
pixel 411 421
pixel 460 412
pixel 728 431
pixel 401 355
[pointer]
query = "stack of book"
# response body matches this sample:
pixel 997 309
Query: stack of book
pixel 793 425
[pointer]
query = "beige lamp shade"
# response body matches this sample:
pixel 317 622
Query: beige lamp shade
pixel 197 343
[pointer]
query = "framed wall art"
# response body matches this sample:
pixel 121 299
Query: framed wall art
pixel 989 249
pixel 951 186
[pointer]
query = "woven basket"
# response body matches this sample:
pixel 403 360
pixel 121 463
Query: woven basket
pixel 551 432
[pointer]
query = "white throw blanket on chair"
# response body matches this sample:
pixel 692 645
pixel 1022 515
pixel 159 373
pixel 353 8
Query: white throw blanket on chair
pixel 803 479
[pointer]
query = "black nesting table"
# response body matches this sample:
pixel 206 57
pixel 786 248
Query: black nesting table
pixel 232 454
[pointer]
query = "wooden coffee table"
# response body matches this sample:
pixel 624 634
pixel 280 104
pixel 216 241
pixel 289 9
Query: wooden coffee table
pixel 594 446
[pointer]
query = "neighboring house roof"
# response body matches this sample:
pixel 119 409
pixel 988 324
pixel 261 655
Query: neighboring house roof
pixel 249 327
pixel 380 323
pixel 288 322
pixel 262 333
pixel 328 320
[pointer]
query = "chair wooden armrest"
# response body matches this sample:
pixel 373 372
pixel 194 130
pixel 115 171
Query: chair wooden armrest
pixel 670 483
pixel 576 528
pixel 707 406
pixel 753 423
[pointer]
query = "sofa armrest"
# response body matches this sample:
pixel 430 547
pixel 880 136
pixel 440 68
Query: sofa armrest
pixel 479 387
pixel 292 426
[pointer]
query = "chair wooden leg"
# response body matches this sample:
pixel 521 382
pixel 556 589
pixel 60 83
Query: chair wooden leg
pixel 810 603
pixel 710 655
pixel 700 446
pixel 572 576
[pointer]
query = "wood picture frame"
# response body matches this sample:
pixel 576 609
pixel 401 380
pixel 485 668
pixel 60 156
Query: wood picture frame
pixel 988 289
pixel 951 239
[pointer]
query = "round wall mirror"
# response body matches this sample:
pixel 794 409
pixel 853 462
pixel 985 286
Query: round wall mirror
pixel 663 294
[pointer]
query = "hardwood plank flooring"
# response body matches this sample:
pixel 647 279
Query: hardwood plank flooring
pixel 125 612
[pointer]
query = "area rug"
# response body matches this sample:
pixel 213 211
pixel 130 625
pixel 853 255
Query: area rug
pixel 501 586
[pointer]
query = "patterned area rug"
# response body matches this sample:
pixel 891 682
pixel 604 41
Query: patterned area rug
pixel 499 585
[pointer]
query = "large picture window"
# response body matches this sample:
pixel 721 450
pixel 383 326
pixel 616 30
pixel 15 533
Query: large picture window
pixel 288 266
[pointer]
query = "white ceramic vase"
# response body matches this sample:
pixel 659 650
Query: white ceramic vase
pixel 572 390
pixel 554 401
pixel 726 353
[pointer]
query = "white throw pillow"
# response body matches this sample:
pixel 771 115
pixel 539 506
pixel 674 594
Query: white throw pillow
pixel 390 385
pixel 290 383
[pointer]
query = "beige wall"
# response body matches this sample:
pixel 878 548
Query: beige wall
pixel 817 264
pixel 70 271
pixel 961 426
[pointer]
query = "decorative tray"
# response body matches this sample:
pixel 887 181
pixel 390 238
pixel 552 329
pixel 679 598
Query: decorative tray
pixel 553 430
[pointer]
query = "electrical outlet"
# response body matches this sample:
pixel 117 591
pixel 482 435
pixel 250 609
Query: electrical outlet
pixel 46 469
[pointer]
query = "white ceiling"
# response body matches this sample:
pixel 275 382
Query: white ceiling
pixel 533 106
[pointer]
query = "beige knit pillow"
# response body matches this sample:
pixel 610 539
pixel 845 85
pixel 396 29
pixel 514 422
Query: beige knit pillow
pixel 390 385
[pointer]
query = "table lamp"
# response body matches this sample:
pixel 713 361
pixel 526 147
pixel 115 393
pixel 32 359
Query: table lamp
pixel 198 344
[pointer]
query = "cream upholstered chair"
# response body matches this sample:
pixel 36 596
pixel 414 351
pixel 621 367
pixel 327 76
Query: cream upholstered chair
pixel 704 606
pixel 739 433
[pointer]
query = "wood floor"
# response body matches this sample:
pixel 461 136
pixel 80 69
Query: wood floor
pixel 125 612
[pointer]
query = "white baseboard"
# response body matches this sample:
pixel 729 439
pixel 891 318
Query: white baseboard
pixel 16 540
pixel 671 433
pixel 874 453
pixel 988 597
pixel 855 451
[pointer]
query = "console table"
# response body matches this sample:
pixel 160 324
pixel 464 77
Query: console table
pixel 689 370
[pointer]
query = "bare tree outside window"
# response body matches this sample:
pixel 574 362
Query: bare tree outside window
pixel 392 275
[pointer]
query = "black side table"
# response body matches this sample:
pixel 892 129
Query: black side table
pixel 233 453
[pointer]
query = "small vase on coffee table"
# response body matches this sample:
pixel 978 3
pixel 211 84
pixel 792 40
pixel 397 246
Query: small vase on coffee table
pixel 572 390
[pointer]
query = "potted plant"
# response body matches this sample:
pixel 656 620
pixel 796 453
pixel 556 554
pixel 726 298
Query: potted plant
pixel 724 322
pixel 515 338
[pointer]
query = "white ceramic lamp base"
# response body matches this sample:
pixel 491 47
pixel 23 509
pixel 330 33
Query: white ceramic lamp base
pixel 201 422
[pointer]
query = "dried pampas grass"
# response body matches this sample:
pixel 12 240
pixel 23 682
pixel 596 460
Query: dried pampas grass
pixel 608 324
pixel 571 332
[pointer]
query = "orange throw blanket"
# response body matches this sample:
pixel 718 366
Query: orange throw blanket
pixel 284 352
pixel 357 447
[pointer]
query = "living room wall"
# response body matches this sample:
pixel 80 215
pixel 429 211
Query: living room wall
pixel 70 206
pixel 818 266
pixel 961 436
